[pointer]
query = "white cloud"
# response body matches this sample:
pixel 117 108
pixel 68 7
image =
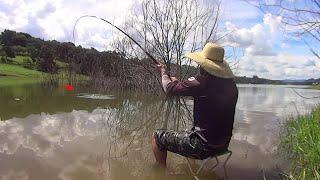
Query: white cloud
pixel 273 22
pixel 15 175
pixel 48 8
pixel 54 19
pixel 255 40
pixel 281 66
pixel 270 2
pixel 285 45
pixel 263 52
pixel 83 164
pixel 49 132
pixel 92 1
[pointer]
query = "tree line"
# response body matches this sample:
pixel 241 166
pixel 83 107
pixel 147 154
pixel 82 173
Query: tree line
pixel 45 52
pixel 107 67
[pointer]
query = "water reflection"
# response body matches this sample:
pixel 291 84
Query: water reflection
pixel 35 99
pixel 110 139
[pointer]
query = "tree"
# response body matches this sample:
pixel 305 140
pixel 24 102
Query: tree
pixel 45 60
pixel 7 41
pixel 8 37
pixel 168 29
pixel 33 52
pixel 20 39
pixel 9 51
pixel 12 38
pixel 300 17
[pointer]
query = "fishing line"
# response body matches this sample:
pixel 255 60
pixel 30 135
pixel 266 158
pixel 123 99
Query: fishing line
pixel 122 31
pixel 314 97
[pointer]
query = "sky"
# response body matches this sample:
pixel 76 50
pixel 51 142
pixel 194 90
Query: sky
pixel 266 49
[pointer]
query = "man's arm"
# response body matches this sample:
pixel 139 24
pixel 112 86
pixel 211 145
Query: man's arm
pixel 190 87
pixel 172 86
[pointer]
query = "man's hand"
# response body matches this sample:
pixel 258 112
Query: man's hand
pixel 173 78
pixel 161 67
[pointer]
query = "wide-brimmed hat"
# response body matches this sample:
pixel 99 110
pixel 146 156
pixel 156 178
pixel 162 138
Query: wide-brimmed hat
pixel 211 60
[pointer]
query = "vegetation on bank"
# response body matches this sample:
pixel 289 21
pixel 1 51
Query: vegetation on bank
pixel 105 69
pixel 302 141
pixel 15 73
pixel 316 86
pixel 18 71
pixel 21 70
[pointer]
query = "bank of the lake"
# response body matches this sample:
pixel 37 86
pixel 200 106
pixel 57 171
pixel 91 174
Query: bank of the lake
pixel 16 74
pixel 11 74
pixel 302 142
pixel 316 86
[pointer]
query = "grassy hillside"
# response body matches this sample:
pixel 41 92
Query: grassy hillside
pixel 22 70
pixel 17 67
pixel 18 71
pixel 11 74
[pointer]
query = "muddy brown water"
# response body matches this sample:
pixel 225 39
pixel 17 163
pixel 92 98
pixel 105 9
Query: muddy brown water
pixel 48 133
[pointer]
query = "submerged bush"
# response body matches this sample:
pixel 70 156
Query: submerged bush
pixel 302 141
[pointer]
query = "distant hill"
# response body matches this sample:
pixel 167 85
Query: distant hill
pixel 257 80
pixel 302 81
pixel 45 56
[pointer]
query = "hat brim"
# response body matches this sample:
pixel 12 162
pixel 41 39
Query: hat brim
pixel 219 69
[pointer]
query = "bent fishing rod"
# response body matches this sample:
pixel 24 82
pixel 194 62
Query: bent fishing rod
pixel 122 31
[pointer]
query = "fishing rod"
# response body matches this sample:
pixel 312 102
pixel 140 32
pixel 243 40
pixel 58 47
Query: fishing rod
pixel 122 31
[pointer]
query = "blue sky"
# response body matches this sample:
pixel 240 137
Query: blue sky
pixel 268 50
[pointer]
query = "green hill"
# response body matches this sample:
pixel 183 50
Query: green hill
pixel 18 71
pixel 11 74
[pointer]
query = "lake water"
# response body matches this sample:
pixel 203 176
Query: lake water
pixel 48 133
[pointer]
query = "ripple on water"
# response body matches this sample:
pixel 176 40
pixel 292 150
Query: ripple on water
pixel 95 96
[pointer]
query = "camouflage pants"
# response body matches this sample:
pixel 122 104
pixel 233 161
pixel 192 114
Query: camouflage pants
pixel 185 143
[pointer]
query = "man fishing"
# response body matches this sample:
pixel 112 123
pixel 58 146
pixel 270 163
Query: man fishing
pixel 215 97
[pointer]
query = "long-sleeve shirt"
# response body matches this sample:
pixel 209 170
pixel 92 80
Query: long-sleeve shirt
pixel 215 101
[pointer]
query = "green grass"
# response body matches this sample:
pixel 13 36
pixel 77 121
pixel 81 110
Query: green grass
pixel 316 86
pixel 18 60
pixel 19 71
pixel 302 141
pixel 14 73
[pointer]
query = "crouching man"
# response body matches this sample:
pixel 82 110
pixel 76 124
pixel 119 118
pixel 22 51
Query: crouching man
pixel 215 97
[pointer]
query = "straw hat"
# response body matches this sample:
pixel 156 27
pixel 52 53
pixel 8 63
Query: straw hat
pixel 211 60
